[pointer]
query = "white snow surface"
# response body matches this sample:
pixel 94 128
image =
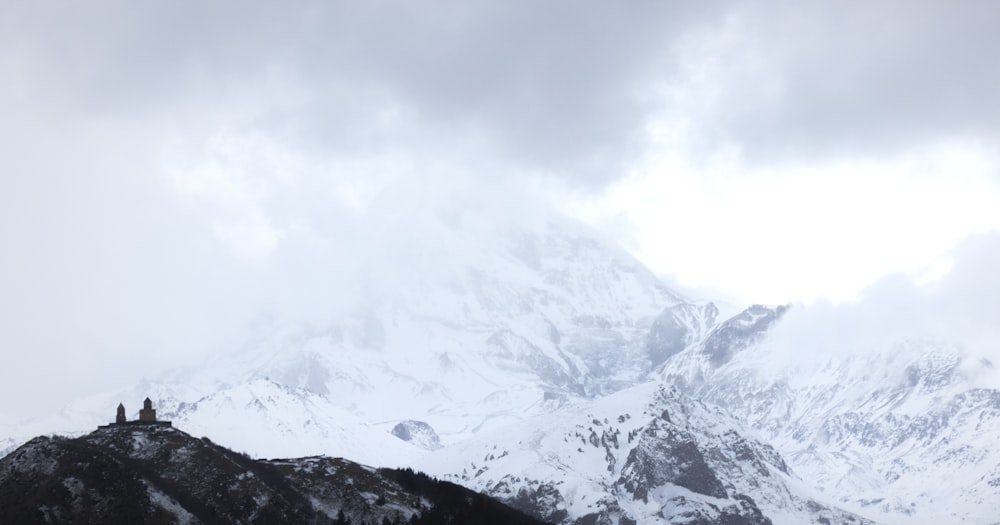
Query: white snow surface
pixel 523 323
pixel 583 453
pixel 527 336
pixel 290 423
pixel 876 429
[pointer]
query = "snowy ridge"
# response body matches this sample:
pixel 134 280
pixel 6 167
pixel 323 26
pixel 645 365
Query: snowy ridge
pixel 524 365
pixel 518 323
pixel 305 424
pixel 874 429
pixel 644 455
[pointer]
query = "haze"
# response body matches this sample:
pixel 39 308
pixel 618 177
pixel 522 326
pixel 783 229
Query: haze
pixel 172 173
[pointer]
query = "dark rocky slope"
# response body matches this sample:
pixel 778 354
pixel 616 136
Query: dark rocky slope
pixel 154 474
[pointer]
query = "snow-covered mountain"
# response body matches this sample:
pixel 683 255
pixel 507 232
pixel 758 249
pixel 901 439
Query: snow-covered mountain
pixel 875 428
pixel 527 322
pixel 516 323
pixel 523 365
pixel 647 454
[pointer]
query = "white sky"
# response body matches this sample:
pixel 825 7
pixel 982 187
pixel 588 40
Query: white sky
pixel 802 232
pixel 173 168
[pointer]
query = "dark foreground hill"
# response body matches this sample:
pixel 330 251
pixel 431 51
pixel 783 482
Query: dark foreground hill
pixel 152 474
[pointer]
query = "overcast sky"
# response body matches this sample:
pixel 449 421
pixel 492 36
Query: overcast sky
pixel 167 167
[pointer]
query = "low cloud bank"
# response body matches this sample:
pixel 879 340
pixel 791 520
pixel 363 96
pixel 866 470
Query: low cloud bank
pixel 960 308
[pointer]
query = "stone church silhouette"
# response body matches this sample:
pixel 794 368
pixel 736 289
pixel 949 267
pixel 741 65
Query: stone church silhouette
pixel 147 416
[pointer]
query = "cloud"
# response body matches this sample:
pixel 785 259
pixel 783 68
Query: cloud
pixel 543 88
pixel 554 89
pixel 798 232
pixel 809 81
pixel 124 257
pixel 958 308
pixel 105 275
pixel 169 171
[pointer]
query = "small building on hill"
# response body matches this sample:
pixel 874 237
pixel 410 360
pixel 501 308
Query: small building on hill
pixel 147 413
pixel 147 416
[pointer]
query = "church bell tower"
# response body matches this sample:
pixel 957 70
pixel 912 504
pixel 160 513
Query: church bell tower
pixel 147 413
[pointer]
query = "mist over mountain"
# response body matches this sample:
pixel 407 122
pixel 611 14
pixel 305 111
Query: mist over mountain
pixel 484 240
pixel 550 369
pixel 871 399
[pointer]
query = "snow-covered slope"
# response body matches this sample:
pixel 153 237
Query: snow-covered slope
pixel 523 314
pixel 295 421
pixel 260 417
pixel 535 334
pixel 516 323
pixel 877 429
pixel 647 454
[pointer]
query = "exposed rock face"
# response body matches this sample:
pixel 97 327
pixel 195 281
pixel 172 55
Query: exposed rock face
pixel 532 355
pixel 648 454
pixel 874 426
pixel 518 314
pixel 676 328
pixel 418 433
pixel 665 454
pixel 739 332
pixel 156 474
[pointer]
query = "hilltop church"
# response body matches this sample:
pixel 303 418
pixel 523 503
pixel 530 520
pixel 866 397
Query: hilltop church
pixel 147 416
